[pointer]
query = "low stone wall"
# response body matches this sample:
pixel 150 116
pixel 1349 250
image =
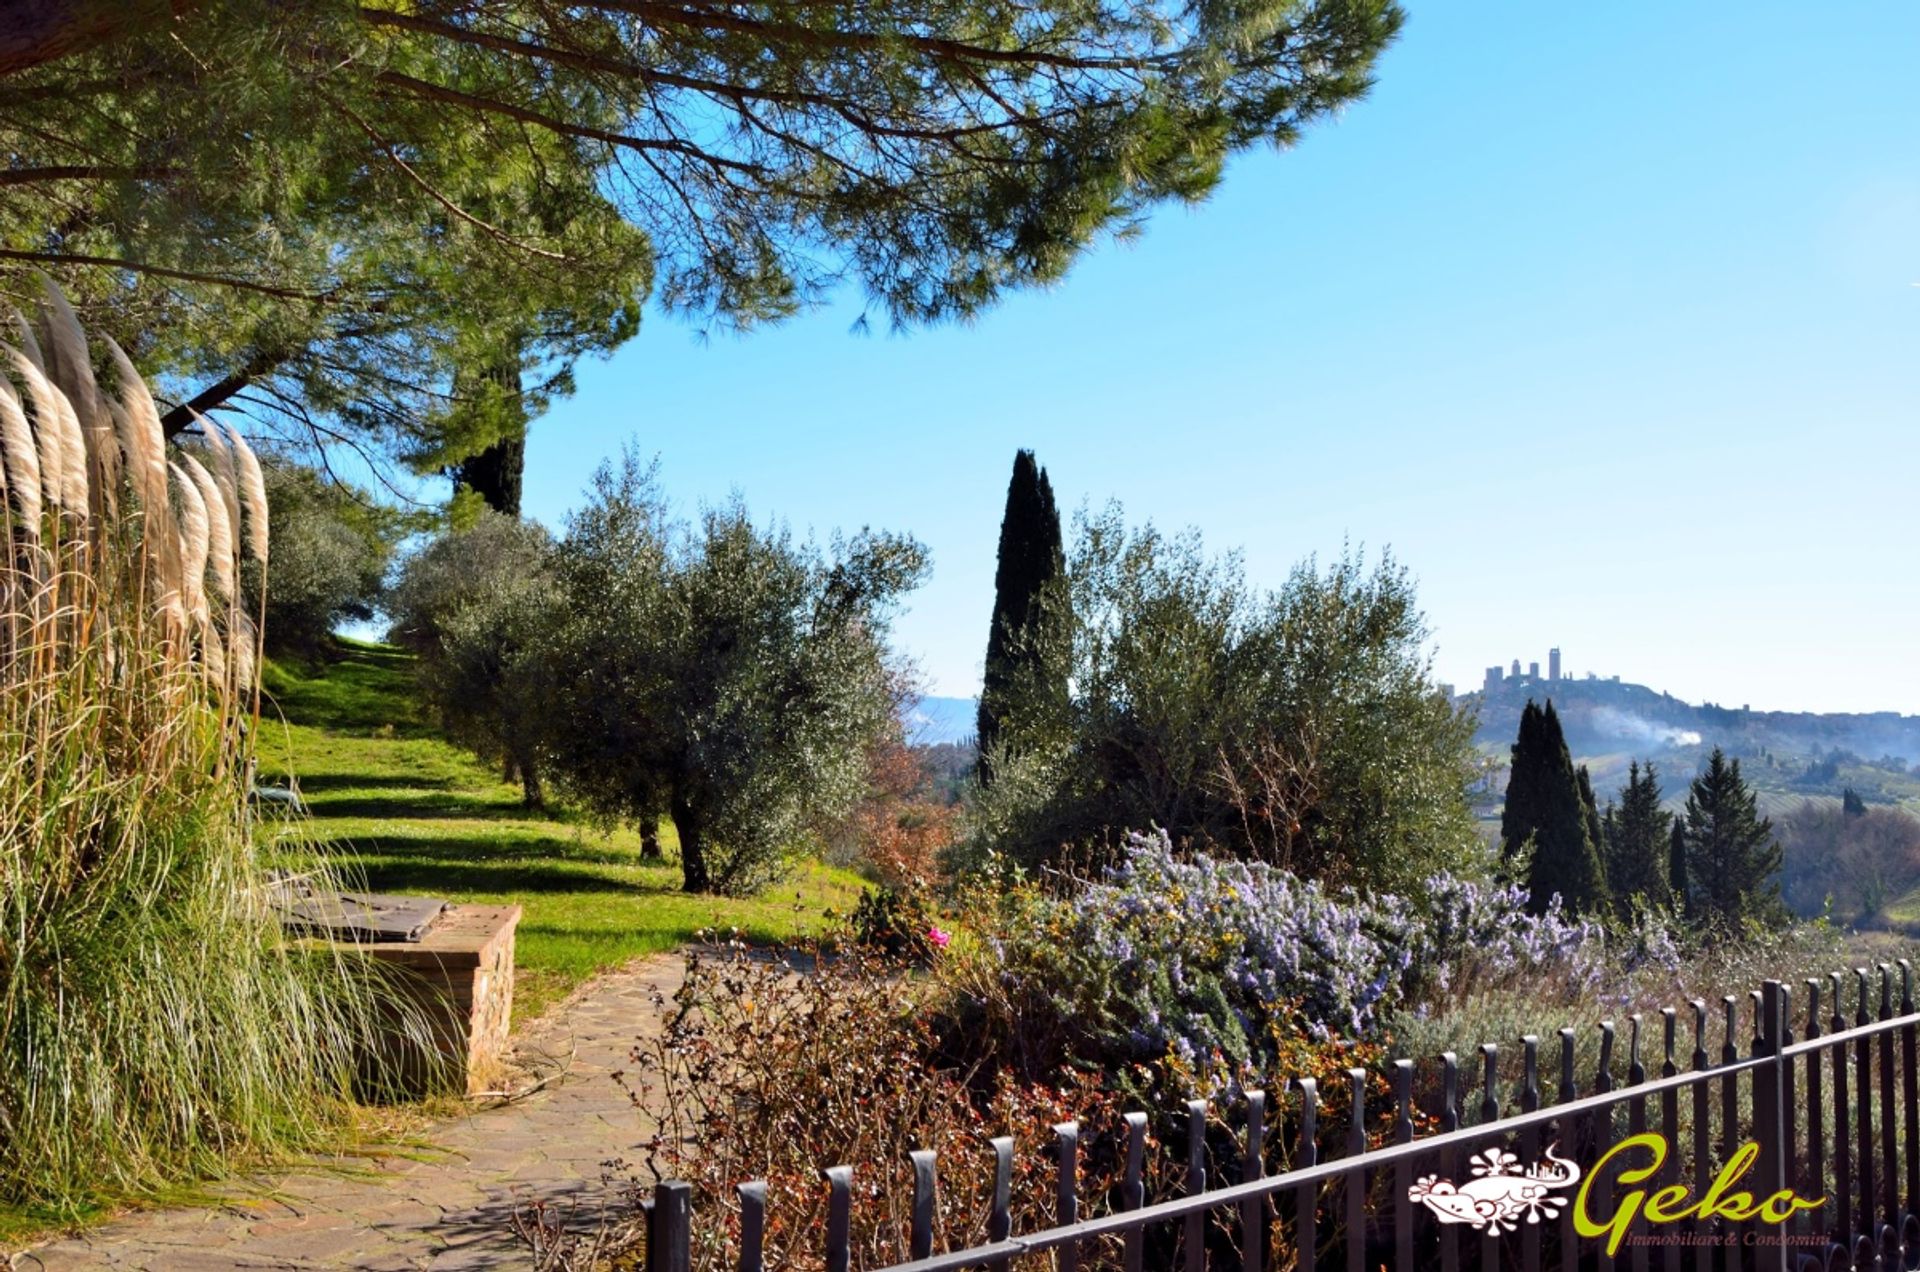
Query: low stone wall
pixel 462 971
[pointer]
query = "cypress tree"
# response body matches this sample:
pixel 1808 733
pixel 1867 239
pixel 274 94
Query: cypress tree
pixel 1677 866
pixel 1545 805
pixel 1733 857
pixel 1638 851
pixel 1522 809
pixel 1023 676
pixel 1596 833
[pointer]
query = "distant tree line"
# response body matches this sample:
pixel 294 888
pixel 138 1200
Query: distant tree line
pixel 1853 859
pixel 1719 861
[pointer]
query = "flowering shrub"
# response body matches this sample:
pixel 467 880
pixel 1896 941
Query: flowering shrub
pixel 1211 961
pixel 897 923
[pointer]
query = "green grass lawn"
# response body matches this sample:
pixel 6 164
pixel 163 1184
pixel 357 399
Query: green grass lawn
pixel 416 814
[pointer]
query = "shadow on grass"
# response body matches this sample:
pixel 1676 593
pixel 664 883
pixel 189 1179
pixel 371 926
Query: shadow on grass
pixel 386 874
pixel 427 807
pixel 372 782
pixel 482 848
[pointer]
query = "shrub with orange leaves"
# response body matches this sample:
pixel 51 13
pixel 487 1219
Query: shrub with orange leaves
pixel 902 827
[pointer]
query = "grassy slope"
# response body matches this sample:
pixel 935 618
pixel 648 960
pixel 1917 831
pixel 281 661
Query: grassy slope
pixel 421 816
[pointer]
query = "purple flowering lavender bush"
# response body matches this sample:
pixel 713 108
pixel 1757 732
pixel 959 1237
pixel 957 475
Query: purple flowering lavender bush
pixel 1222 965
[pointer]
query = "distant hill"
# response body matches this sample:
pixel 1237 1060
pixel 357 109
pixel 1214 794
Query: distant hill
pixel 1788 755
pixel 932 721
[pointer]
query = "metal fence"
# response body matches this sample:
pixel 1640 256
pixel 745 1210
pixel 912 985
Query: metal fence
pixel 1833 1113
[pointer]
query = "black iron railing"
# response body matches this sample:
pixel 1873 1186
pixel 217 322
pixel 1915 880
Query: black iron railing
pixel 1830 1117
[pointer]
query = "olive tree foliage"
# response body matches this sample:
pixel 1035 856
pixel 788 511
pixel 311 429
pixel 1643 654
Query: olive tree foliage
pixel 319 211
pixel 724 673
pixel 481 605
pixel 332 546
pixel 448 572
pixel 1298 726
pixel 615 755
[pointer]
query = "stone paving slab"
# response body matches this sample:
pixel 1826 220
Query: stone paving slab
pixel 446 1214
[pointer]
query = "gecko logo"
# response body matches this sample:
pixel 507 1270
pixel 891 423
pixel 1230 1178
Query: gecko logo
pixel 1501 1195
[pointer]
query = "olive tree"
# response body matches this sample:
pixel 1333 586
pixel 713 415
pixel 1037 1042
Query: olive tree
pixel 332 546
pixel 615 755
pixel 1298 726
pixel 481 607
pixel 724 671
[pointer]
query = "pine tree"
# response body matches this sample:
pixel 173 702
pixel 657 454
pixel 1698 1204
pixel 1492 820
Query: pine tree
pixel 1852 804
pixel 1638 847
pixel 1733 858
pixel 1023 676
pixel 1545 805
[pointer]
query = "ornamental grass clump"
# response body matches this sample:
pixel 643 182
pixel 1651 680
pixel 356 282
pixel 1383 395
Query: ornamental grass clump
pixel 153 1023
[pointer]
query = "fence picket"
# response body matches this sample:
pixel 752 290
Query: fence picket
pixel 1889 1156
pixel 1670 1119
pixel 1490 1112
pixel 1814 1181
pixel 1910 1088
pixel 1601 1121
pixel 1403 1170
pixel 1449 1159
pixel 923 1201
pixel 839 1217
pixel 1133 1190
pixel 1530 1138
pixel 1000 1218
pixel 1253 1211
pixel 1564 1128
pixel 1194 1227
pixel 1357 1179
pixel 1863 1107
pixel 1702 1112
pixel 1306 1198
pixel 753 1225
pixel 1636 1120
pixel 1066 1138
pixel 1842 1121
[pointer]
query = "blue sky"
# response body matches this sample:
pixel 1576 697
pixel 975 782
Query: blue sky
pixel 1604 318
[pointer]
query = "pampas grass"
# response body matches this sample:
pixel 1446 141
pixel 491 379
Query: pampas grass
pixel 155 1024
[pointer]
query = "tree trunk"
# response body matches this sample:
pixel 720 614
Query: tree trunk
pixel 39 31
pixel 650 838
pixel 693 855
pixel 533 795
pixel 495 473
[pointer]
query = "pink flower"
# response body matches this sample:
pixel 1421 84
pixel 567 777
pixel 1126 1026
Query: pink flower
pixel 938 937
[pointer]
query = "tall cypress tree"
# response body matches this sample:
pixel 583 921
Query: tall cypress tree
pixel 1677 866
pixel 1545 805
pixel 1596 832
pixel 1023 673
pixel 1638 848
pixel 1733 858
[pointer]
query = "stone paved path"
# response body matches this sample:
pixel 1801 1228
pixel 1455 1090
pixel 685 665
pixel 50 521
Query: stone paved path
pixel 443 1214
